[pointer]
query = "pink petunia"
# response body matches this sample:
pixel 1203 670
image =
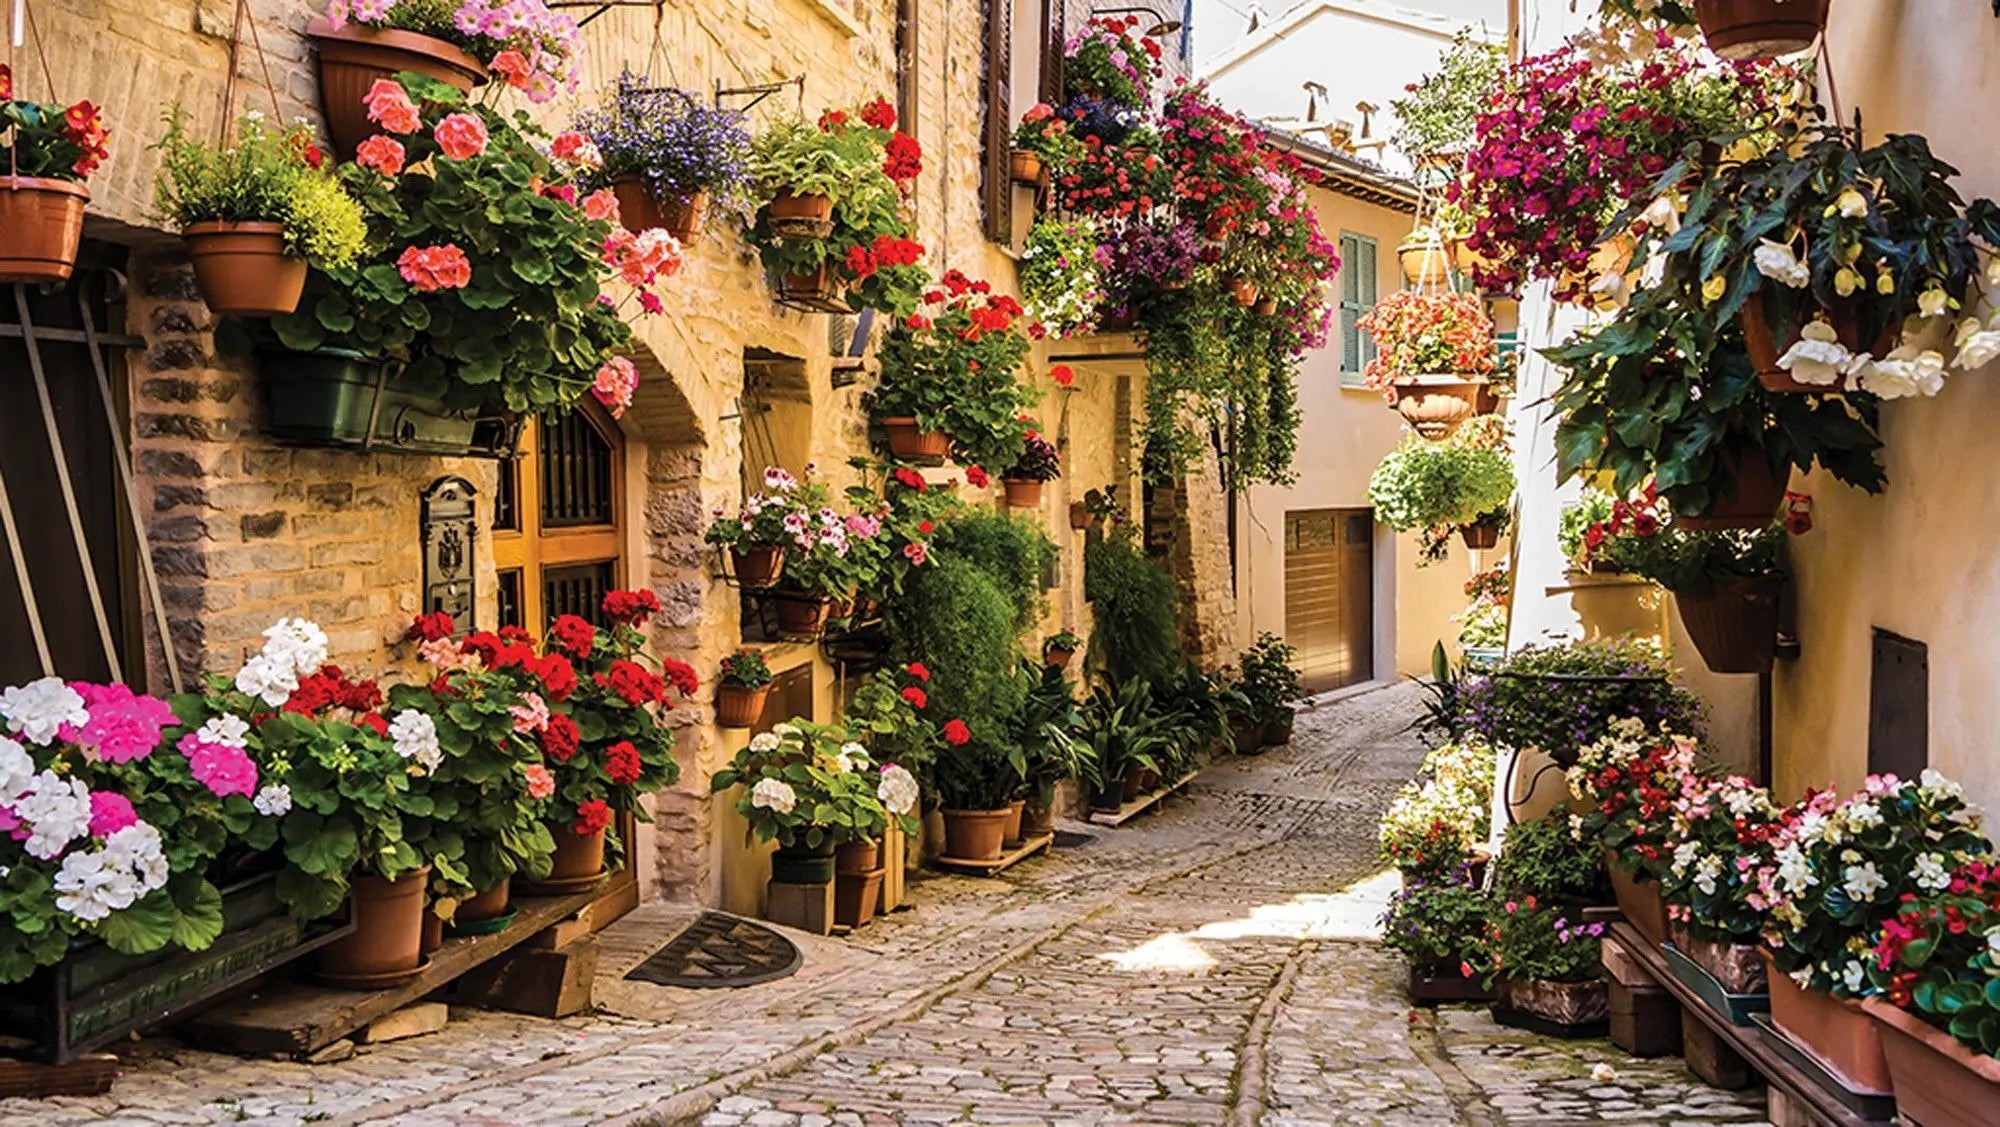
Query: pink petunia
pixel 462 136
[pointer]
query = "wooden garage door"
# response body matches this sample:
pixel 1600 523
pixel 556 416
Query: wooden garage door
pixel 1330 595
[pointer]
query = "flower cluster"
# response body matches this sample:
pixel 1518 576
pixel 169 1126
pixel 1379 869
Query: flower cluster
pixel 1436 821
pixel 1428 334
pixel 48 140
pixel 1531 940
pixel 1723 827
pixel 951 365
pixel 1633 776
pixel 807 784
pixel 1107 57
pixel 535 50
pixel 1061 282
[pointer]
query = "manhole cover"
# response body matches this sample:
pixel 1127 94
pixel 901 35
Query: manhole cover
pixel 720 950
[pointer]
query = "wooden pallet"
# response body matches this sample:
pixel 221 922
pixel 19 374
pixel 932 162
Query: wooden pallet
pixel 299 1018
pixel 1139 805
pixel 1006 860
pixel 1803 1097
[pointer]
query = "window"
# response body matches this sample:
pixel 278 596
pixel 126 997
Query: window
pixel 1357 297
pixel 997 186
pixel 558 520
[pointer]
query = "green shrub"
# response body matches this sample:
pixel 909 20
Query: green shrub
pixel 1134 601
pixel 1543 858
pixel 1011 551
pixel 955 619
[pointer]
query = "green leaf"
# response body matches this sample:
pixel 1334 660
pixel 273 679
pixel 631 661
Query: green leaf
pixel 147 925
pixel 198 917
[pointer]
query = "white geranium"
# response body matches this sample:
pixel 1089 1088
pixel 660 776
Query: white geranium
pixel 414 735
pixel 56 811
pixel 296 641
pixel 898 790
pixel 96 883
pixel 1777 262
pixel 226 730
pixel 774 795
pixel 17 770
pixel 1817 357
pixel 272 682
pixel 783 730
pixel 1863 881
pixel 38 708
pixel 1905 373
pixel 764 743
pixel 273 800
pixel 1930 874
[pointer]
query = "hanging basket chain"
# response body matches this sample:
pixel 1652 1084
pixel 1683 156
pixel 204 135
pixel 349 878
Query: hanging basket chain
pixel 19 14
pixel 243 15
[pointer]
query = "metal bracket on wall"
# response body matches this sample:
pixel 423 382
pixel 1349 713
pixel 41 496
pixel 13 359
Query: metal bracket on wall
pixel 759 92
pixel 599 7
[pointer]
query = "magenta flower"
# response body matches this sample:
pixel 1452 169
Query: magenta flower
pixel 110 812
pixel 123 725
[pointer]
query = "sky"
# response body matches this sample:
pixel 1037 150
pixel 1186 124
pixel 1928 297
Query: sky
pixel 1218 24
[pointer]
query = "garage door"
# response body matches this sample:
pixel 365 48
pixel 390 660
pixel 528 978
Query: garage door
pixel 1330 595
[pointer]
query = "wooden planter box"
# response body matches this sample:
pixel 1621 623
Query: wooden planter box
pixel 96 995
pixel 1430 989
pixel 1938 1082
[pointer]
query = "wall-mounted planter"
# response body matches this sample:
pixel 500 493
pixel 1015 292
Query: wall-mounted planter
pixel 1734 625
pixel 908 440
pixel 353 57
pixel 242 269
pixel 817 292
pixel 1022 493
pixel 334 397
pixel 1760 29
pixel 739 707
pixel 1751 501
pixel 41 225
pixel 639 208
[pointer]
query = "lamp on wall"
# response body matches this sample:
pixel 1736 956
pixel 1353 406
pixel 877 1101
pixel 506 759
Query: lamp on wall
pixel 1161 24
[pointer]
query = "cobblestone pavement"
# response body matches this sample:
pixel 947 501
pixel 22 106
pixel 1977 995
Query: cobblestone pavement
pixel 1209 964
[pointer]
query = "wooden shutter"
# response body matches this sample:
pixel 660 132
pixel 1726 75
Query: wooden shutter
pixel 908 20
pixel 1357 297
pixel 1055 31
pixel 997 186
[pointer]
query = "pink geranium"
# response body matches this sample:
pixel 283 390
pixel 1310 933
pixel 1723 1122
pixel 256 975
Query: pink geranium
pixel 577 149
pixel 224 770
pixel 462 136
pixel 601 204
pixel 380 152
pixel 541 783
pixel 513 66
pixel 123 725
pixel 110 812
pixel 616 380
pixel 389 106
pixel 430 269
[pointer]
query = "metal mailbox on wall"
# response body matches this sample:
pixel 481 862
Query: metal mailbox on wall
pixel 450 566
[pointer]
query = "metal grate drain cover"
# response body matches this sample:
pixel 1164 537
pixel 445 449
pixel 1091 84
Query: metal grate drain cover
pixel 719 950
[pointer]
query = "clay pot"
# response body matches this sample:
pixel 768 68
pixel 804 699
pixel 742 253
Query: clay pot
pixel 1037 820
pixel 1424 263
pixel 1015 810
pixel 1764 349
pixel 1243 292
pixel 1120 322
pixel 739 707
pixel 1022 493
pixel 802 614
pixel 576 858
pixel 1751 501
pixel 353 57
pixel 1058 658
pixel 1265 307
pixel 1024 167
pixel 41 225
pixel 433 933
pixel 818 289
pixel 1481 535
pixel 1734 625
pixel 1836 1032
pixel 908 440
pixel 1938 1081
pixel 1761 29
pixel 975 835
pixel 856 896
pixel 809 208
pixel 857 857
pixel 489 904
pixel 1434 405
pixel 1639 901
pixel 1278 732
pixel 1079 515
pixel 638 209
pixel 759 565
pixel 242 269
pixel 388 936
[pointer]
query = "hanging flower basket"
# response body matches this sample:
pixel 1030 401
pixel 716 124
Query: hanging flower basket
pixel 759 565
pixel 638 209
pixel 1482 534
pixel 908 440
pixel 808 216
pixel 1764 350
pixel 1435 405
pixel 41 226
pixel 1265 307
pixel 1760 29
pixel 739 707
pixel 1751 502
pixel 1735 624
pixel 1938 1081
pixel 353 57
pixel 1424 262
pixel 242 269
pixel 1022 493
pixel 1025 167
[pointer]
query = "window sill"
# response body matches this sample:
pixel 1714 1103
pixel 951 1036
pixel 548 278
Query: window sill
pixel 837 13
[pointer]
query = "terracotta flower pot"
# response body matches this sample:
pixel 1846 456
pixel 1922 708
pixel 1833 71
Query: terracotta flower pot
pixel 908 440
pixel 856 896
pixel 1079 516
pixel 1022 493
pixel 1424 263
pixel 759 565
pixel 1837 1032
pixel 1735 624
pixel 41 225
pixel 857 856
pixel 739 707
pixel 819 289
pixel 1938 1081
pixel 487 905
pixel 242 269
pixel 1243 292
pixel 1760 29
pixel 1639 901
pixel 433 933
pixel 975 835
pixel 1278 732
pixel 1434 405
pixel 1751 501
pixel 1037 820
pixel 1024 167
pixel 387 942
pixel 352 58
pixel 802 615
pixel 1761 343
pixel 1265 307
pixel 638 209
pixel 1015 814
pixel 1481 535
pixel 1058 657
pixel 576 858
pixel 808 208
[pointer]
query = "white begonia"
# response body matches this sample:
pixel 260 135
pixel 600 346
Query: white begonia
pixel 1863 881
pixel 1864 815
pixel 764 742
pixel 1664 212
pixel 898 790
pixel 38 708
pixel 1684 856
pixel 1813 825
pixel 269 681
pixel 56 811
pixel 17 770
pixel 226 730
pixel 1817 357
pixel 1905 373
pixel 1977 345
pixel 774 795
pixel 297 641
pixel 1777 262
pixel 273 800
pixel 1854 976
pixel 1742 801
pixel 1795 873
pixel 1930 874
pixel 1939 784
pixel 94 884
pixel 1707 874
pixel 414 735
pixel 1993 941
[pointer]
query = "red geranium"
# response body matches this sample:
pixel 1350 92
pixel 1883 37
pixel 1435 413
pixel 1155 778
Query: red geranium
pixel 956 733
pixel 681 676
pixel 917 669
pixel 559 739
pixel 573 634
pixel 916 697
pixel 634 683
pixel 621 763
pixel 591 817
pixel 976 477
pixel 879 114
pixel 558 676
pixel 432 627
pixel 903 158
pixel 631 608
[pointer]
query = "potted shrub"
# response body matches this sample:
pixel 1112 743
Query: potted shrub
pixel 1439 927
pixel 1630 779
pixel 834 229
pixel 1546 858
pixel 948 377
pixel 666 155
pixel 1434 351
pixel 1439 822
pixel 253 215
pixel 767 523
pixel 1059 647
pixel 1125 739
pixel 1930 966
pixel 1046 724
pixel 742 684
pixel 980 773
pixel 1432 488
pixel 532 49
pixel 1545 970
pixel 809 788
pixel 1891 840
pixel 1270 679
pixel 1437 120
pixel 465 255
pixel 1037 465
pixel 49 151
pixel 1723 826
pixel 1043 144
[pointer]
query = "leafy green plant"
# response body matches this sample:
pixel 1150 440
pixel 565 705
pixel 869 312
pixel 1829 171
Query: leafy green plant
pixel 1046 726
pixel 1559 698
pixel 1438 115
pixel 1061 281
pixel 1123 730
pixel 1038 461
pixel 1433 486
pixel 1133 600
pixel 952 366
pixel 745 669
pixel 1270 678
pixel 1197 709
pixel 1439 926
pixel 957 622
pixel 1546 859
pixel 1061 640
pixel 1014 553
pixel 1935 958
pixel 263 177
pixel 805 784
pixel 1533 941
pixel 1692 563
pixel 1483 626
pixel 889 714
pixel 804 159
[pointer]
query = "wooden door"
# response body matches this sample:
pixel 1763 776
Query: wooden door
pixel 1330 595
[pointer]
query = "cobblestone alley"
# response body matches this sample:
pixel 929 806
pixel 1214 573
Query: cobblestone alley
pixel 1208 965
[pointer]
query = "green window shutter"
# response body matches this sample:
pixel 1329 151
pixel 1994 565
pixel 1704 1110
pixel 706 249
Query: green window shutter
pixel 1357 297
